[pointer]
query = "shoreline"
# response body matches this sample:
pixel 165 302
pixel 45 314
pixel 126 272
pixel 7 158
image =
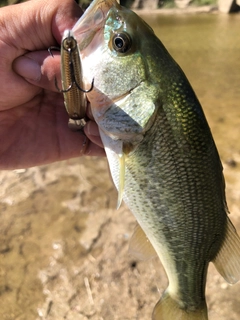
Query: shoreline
pixel 187 10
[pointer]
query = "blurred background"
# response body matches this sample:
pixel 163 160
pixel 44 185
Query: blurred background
pixel 221 5
pixel 64 246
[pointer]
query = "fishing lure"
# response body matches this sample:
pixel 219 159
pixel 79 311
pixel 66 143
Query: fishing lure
pixel 72 83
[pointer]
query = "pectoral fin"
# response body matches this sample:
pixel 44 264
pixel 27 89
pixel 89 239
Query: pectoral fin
pixel 116 158
pixel 121 178
pixel 140 246
pixel 227 260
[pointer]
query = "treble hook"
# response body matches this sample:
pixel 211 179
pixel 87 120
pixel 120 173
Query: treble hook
pixel 72 63
pixel 50 49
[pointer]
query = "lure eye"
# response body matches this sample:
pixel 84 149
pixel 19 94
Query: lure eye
pixel 121 42
pixel 69 44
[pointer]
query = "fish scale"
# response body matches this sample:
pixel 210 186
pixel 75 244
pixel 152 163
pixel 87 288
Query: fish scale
pixel 185 229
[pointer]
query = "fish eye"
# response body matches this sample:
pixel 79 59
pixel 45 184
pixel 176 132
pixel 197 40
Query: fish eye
pixel 121 42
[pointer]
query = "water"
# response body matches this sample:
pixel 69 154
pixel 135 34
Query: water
pixel 63 250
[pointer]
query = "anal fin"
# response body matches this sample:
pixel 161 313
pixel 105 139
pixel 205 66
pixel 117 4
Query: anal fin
pixel 140 246
pixel 227 260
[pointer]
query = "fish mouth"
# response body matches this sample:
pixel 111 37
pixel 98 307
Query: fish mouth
pixel 92 21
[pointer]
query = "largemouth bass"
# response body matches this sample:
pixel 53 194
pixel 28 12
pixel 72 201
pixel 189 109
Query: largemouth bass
pixel 161 154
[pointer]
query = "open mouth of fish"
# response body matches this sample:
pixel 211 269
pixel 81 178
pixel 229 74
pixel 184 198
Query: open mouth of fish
pixel 91 22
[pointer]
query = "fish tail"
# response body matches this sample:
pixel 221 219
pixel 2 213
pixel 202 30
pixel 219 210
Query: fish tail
pixel 227 260
pixel 169 309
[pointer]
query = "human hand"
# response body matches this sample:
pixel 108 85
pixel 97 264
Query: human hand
pixel 33 120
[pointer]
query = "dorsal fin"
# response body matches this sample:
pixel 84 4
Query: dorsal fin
pixel 140 246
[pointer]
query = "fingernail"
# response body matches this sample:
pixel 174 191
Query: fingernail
pixel 27 68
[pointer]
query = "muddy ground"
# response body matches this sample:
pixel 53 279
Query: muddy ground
pixel 64 249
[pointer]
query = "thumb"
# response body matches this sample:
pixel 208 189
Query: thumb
pixel 43 24
pixel 37 66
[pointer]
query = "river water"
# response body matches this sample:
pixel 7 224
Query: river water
pixel 63 249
